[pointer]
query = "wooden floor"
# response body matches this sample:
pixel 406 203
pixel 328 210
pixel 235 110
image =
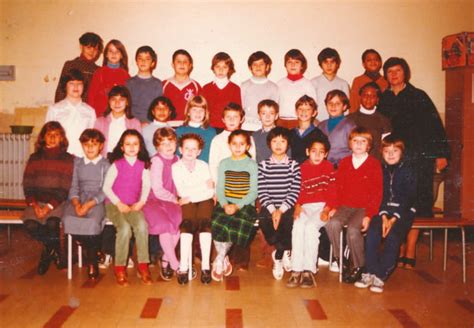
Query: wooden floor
pixel 425 297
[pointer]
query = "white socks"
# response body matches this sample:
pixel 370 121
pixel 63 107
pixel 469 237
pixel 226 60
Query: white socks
pixel 205 240
pixel 222 249
pixel 186 247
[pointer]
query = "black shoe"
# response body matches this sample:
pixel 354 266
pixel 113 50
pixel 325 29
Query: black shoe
pixel 44 262
pixel 354 275
pixel 307 280
pixel 206 277
pixel 182 277
pixel 93 271
pixel 166 273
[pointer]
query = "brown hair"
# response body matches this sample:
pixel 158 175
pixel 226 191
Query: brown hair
pixel 306 100
pixel 234 107
pixel 269 103
pixel 394 141
pixel 122 91
pixel 394 61
pixel 163 133
pixel 361 132
pixel 40 143
pixel 256 56
pixel 297 55
pixel 120 47
pixel 222 56
pixel 244 134
pixel 184 53
pixel 197 101
pixel 337 93
pixel 192 136
pixel 91 134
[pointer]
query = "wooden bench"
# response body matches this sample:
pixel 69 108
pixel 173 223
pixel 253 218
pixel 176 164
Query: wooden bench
pixel 10 217
pixel 446 223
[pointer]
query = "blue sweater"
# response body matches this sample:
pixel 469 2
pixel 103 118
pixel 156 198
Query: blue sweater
pixel 206 134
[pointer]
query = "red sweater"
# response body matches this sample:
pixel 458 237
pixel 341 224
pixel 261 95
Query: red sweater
pixel 361 187
pixel 318 183
pixel 103 80
pixel 180 96
pixel 217 99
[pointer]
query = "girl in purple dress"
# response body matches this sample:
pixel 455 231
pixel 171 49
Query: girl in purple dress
pixel 162 209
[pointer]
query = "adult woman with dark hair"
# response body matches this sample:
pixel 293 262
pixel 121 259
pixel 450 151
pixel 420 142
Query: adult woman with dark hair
pixel 416 121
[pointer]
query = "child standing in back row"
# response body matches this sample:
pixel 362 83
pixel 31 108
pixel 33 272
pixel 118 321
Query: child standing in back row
pixel 181 88
pixel 144 87
pixel 329 61
pixel 234 216
pixel 221 91
pixel 256 89
pixel 114 71
pixel 127 185
pixel 293 87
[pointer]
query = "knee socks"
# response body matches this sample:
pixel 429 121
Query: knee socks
pixel 205 240
pixel 185 250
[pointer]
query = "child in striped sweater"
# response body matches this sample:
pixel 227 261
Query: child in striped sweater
pixel 234 216
pixel 278 189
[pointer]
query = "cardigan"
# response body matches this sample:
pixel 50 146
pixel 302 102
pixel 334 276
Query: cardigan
pixel 102 124
pixel 192 184
pixel 338 139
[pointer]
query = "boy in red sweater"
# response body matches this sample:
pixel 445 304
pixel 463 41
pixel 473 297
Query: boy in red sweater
pixel 317 196
pixel 359 194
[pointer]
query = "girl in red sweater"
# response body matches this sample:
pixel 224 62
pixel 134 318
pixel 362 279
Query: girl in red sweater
pixel 221 91
pixel 114 71
pixel 359 194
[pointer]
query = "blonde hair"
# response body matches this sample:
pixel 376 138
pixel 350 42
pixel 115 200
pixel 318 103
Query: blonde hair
pixel 200 102
pixel 163 133
pixel 361 132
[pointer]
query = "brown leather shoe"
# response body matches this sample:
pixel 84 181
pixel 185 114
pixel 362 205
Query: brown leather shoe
pixel 121 277
pixel 145 276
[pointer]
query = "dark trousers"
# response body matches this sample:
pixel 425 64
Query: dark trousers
pixel 281 237
pixel 91 245
pixel 424 189
pixel 383 263
pixel 47 233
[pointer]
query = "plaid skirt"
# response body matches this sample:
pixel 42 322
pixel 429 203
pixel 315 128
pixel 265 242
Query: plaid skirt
pixel 238 228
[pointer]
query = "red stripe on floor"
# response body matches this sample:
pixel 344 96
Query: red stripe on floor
pixel 151 308
pixel 30 274
pixel 92 283
pixel 455 258
pixel 427 277
pixel 3 297
pixel 315 310
pixel 233 318
pixel 232 283
pixel 404 318
pixel 60 317
pixel 465 303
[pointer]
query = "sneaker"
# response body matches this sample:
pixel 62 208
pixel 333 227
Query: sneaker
pixel 216 272
pixel 227 267
pixel 287 261
pixel 294 280
pixel 322 262
pixel 106 262
pixel 307 280
pixel 354 275
pixel 334 267
pixel 277 270
pixel 377 285
pixel 130 263
pixel 365 281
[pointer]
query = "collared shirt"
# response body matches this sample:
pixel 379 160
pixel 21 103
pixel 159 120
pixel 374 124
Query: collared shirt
pixel 93 161
pixel 74 118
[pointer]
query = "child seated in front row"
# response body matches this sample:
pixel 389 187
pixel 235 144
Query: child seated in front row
pixel 126 186
pixel 278 189
pixel 162 210
pixel 317 197
pixel 84 214
pixel 338 127
pixel 233 219
pixel 394 219
pixel 359 193
pixel 196 191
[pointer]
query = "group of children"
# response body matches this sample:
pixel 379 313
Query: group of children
pixel 153 164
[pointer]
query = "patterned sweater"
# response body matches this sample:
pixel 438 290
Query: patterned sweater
pixel 318 183
pixel 237 182
pixel 278 184
pixel 48 176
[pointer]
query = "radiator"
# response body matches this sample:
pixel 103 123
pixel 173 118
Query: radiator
pixel 14 153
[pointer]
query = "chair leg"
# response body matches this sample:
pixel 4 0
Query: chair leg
pixel 79 255
pixel 445 255
pixel 341 254
pixel 463 237
pixel 330 255
pixel 69 256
